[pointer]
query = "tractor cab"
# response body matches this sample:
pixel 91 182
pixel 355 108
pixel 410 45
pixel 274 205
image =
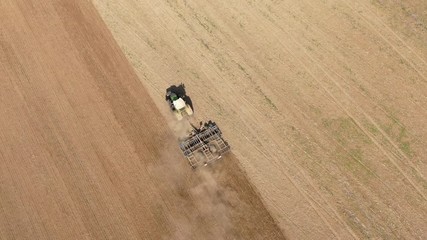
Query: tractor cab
pixel 178 105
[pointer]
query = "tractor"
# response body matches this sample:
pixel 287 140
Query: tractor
pixel 179 102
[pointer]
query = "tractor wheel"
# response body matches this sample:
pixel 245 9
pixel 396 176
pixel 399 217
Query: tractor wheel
pixel 188 110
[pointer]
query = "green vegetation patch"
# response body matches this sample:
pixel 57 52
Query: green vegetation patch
pixel 349 152
pixel 345 131
pixel 267 100
pixel 399 133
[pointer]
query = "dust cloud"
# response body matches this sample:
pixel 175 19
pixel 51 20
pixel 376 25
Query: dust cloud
pixel 205 205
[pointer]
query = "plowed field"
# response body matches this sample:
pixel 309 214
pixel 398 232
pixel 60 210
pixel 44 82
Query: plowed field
pixel 84 151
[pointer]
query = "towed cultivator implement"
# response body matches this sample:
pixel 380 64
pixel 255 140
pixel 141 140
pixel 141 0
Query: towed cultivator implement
pixel 204 145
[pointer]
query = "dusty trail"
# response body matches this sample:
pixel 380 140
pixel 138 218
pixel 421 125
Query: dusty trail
pixel 84 151
pixel 324 103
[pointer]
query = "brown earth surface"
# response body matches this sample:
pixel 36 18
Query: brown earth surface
pixel 323 102
pixel 84 151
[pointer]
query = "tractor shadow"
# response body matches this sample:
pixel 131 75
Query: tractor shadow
pixel 180 91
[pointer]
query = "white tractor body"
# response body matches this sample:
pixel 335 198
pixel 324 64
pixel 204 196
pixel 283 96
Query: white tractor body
pixel 179 104
pixel 181 108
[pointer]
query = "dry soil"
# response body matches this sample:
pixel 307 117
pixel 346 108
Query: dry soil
pixel 84 151
pixel 323 102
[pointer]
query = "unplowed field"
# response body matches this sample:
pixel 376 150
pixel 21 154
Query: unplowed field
pixel 84 151
pixel 323 102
